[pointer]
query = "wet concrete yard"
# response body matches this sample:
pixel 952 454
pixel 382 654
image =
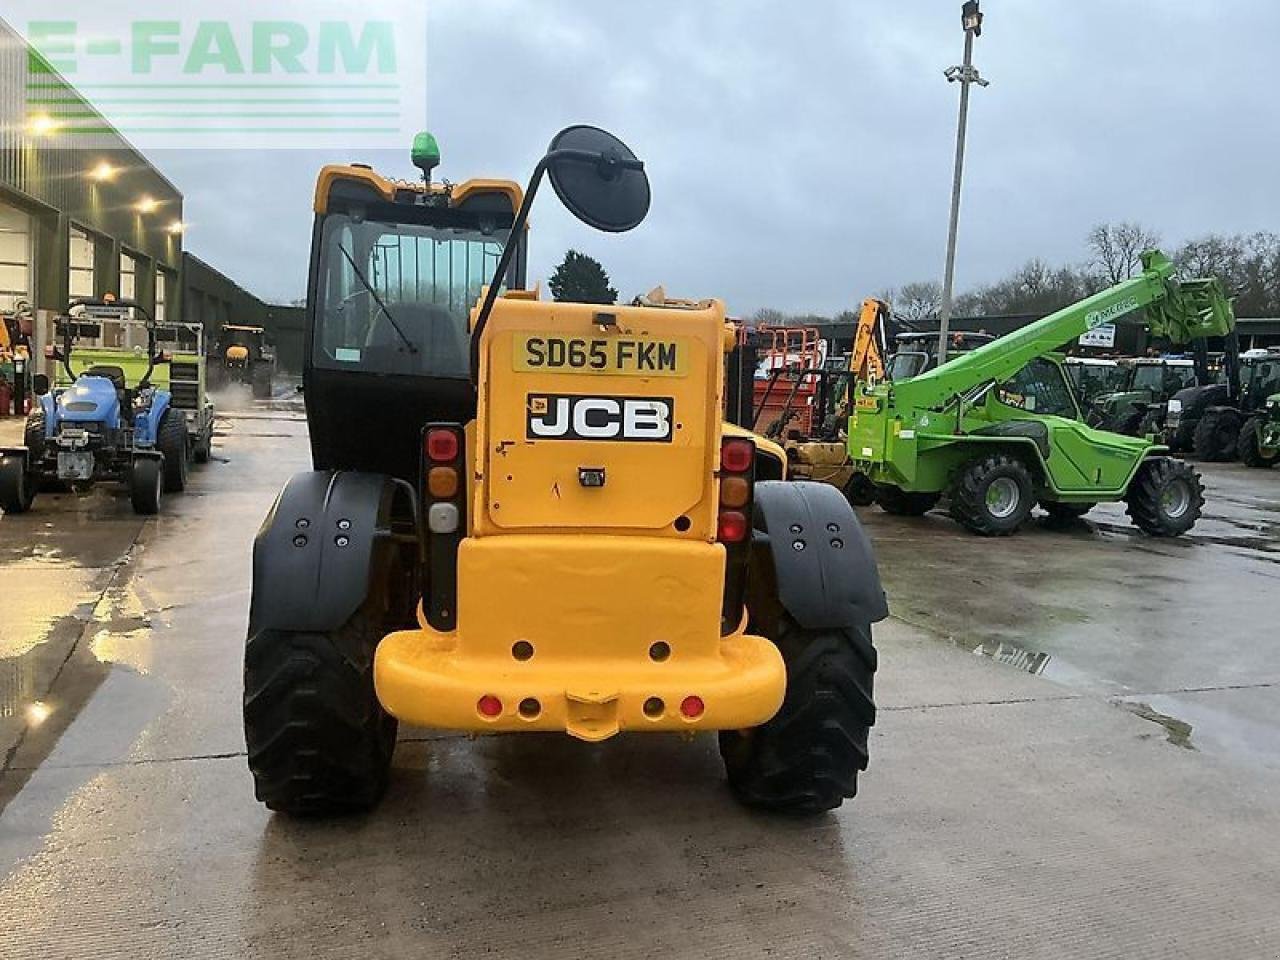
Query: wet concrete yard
pixel 1078 755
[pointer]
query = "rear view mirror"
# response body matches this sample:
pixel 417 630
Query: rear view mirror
pixel 600 181
pixel 597 177
pixel 40 384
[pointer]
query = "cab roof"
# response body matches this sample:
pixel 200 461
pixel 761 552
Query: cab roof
pixel 405 191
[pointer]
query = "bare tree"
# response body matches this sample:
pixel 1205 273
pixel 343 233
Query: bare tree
pixel 915 305
pixel 767 317
pixel 1116 249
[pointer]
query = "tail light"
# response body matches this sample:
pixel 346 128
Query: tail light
pixel 442 483
pixel 444 494
pixel 731 526
pixel 733 529
pixel 737 463
pixel 737 455
pixel 442 444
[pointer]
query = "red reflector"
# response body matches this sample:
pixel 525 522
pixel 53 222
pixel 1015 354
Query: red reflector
pixel 489 706
pixel 442 445
pixel 732 527
pixel 736 455
pixel 692 707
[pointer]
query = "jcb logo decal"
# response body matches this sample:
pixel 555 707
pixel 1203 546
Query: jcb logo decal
pixel 556 416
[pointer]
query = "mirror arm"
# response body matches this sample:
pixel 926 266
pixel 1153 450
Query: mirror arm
pixel 504 264
pixel 517 230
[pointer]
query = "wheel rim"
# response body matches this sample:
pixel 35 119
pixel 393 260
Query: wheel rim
pixel 1175 499
pixel 1003 496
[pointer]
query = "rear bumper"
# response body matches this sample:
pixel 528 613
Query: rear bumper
pixel 590 608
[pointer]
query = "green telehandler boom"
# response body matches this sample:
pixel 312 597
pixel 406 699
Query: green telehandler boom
pixel 999 428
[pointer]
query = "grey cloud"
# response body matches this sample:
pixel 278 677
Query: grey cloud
pixel 801 152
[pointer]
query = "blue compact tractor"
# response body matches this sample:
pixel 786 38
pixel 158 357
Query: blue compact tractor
pixel 99 428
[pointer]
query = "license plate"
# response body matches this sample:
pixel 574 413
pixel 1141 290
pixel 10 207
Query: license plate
pixel 619 356
pixel 75 466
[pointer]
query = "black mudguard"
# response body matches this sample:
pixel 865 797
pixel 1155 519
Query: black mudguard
pixel 317 550
pixel 832 580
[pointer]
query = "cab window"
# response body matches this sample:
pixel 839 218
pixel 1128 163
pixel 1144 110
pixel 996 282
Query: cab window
pixel 395 297
pixel 1039 387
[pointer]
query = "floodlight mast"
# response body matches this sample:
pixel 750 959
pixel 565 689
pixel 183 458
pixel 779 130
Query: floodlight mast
pixel 965 74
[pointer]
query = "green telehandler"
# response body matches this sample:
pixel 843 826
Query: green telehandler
pixel 999 429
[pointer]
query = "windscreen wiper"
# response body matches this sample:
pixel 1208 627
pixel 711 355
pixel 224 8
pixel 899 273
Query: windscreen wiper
pixel 377 299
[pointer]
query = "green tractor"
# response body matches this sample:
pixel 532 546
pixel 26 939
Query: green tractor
pixel 999 429
pixel 1259 443
pixel 1095 377
pixel 1209 421
pixel 1135 407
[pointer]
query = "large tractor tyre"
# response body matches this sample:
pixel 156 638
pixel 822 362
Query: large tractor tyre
pixel 1065 513
pixel 903 503
pixel 1216 435
pixel 171 440
pixel 261 379
pixel 859 490
pixel 319 741
pixel 993 495
pixel 807 758
pixel 202 450
pixel 33 437
pixel 1183 437
pixel 1128 423
pixel 1165 497
pixel 146 485
pixel 17 486
pixel 1250 449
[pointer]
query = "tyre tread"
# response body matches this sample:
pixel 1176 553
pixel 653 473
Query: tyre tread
pixel 171 440
pixel 968 498
pixel 1143 497
pixel 807 758
pixel 318 740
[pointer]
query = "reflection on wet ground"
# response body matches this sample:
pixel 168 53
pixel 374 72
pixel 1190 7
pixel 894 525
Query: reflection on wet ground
pixel 1098 607
pixel 1178 731
pixel 131 828
pixel 86 587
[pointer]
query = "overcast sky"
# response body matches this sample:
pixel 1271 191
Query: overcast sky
pixel 800 153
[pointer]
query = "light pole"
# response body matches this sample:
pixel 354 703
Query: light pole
pixel 966 74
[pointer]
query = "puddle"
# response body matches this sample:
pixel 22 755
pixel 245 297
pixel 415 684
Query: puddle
pixel 1234 722
pixel 1177 732
pixel 51 667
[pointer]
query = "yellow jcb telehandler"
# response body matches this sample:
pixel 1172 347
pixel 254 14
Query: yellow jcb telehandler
pixel 528 516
